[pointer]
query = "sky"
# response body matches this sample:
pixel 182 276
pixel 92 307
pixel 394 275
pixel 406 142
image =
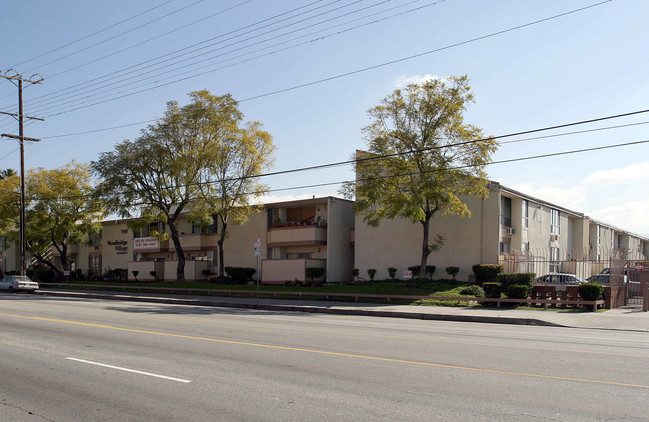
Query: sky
pixel 309 71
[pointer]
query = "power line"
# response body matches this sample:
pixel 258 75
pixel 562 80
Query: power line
pixel 533 157
pixel 156 66
pixel 90 35
pixel 387 156
pixel 122 33
pixel 69 89
pixel 339 76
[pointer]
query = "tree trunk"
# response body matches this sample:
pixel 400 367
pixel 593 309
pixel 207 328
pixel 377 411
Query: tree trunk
pixel 425 246
pixel 180 269
pixel 425 249
pixel 224 226
pixel 43 261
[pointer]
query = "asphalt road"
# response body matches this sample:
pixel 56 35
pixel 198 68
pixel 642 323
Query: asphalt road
pixel 93 360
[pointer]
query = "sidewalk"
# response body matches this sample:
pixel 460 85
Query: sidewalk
pixel 626 319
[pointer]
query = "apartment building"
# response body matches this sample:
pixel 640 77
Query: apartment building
pixel 281 242
pixel 523 233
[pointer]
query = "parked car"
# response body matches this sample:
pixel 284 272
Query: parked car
pixel 598 278
pixel 559 279
pixel 16 283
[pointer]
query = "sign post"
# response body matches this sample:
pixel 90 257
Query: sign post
pixel 257 243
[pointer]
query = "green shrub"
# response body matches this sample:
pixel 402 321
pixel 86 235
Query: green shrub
pixel 591 291
pixel 430 269
pixel 371 273
pixel 474 290
pixel 452 271
pixel 509 279
pixel 355 273
pixel 294 283
pixel 314 272
pixel 485 273
pixel 240 274
pixel 518 291
pixel 492 289
pixel 392 272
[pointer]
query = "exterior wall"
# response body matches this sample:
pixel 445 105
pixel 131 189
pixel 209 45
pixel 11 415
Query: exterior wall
pixel 340 253
pixel 116 246
pixel 239 248
pixel 9 259
pixel 397 243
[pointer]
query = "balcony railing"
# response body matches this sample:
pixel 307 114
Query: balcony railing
pixel 199 241
pixel 295 236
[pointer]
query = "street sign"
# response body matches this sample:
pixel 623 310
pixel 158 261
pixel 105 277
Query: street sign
pixel 257 243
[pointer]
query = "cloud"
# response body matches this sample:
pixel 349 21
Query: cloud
pixel 630 215
pixel 404 80
pixel 572 198
pixel 632 173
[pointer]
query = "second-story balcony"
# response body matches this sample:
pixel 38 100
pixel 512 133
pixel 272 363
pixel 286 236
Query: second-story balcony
pixel 296 236
pixel 199 241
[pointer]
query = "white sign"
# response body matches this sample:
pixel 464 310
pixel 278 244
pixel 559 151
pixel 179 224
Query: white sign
pixel 406 274
pixel 145 243
pixel 257 243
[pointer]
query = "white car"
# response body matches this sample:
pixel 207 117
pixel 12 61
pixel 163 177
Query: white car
pixel 559 279
pixel 16 283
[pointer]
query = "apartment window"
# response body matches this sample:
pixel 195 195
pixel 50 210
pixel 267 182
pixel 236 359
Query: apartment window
pixel 504 247
pixel 525 248
pixel 525 213
pixel 94 264
pixel 505 211
pixel 94 239
pixel 554 260
pixel 554 221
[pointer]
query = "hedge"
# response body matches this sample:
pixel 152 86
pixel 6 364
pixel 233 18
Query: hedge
pixel 591 291
pixel 486 273
pixel 509 279
pixel 240 273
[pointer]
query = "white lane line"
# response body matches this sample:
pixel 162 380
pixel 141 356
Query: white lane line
pixel 129 370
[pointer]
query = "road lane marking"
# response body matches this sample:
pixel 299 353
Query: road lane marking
pixel 324 352
pixel 135 371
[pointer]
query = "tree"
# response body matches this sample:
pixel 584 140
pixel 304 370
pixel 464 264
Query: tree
pixel 234 155
pixel 5 174
pixel 61 210
pixel 422 157
pixel 175 167
pixel 154 177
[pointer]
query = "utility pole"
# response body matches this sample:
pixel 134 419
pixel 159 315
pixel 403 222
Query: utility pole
pixel 21 139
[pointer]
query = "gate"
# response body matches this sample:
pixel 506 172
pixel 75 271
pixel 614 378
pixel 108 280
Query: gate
pixel 637 280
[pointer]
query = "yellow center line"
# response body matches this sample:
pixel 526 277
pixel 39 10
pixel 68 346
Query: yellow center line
pixel 393 337
pixel 324 352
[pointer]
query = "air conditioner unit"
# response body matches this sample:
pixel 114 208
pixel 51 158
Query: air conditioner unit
pixel 510 231
pixel 554 237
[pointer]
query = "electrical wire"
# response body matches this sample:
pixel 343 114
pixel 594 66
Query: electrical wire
pixel 90 35
pixel 342 75
pixel 120 34
pixel 157 65
pixel 388 156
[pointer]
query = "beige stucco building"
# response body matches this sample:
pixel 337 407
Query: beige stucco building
pixel 281 242
pixel 523 233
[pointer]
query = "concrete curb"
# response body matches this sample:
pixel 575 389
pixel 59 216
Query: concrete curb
pixel 310 309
